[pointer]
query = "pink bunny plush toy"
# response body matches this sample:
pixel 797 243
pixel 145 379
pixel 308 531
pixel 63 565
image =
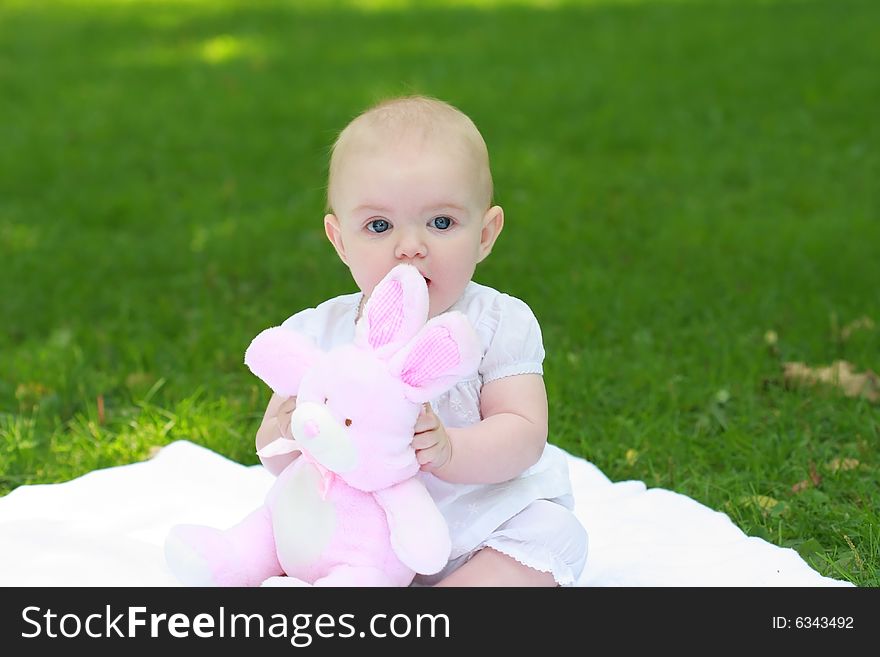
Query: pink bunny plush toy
pixel 349 511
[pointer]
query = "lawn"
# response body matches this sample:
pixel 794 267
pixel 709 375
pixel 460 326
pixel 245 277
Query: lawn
pixel 691 192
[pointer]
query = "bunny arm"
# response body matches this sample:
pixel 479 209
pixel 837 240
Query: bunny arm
pixel 280 357
pixel 419 534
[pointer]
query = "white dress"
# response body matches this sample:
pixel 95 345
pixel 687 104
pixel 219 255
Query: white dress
pixel 478 514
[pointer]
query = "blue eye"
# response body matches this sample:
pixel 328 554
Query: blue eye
pixel 378 226
pixel 441 223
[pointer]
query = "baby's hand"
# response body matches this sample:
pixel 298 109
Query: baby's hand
pixel 276 424
pixel 282 419
pixel 430 440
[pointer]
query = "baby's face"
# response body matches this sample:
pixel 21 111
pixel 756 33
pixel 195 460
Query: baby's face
pixel 409 203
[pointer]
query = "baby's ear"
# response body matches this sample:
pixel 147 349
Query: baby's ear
pixel 443 352
pixel 396 309
pixel 280 357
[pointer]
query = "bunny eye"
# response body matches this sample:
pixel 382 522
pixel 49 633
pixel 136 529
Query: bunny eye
pixel 325 400
pixel 347 422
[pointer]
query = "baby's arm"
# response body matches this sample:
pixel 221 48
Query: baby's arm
pixel 276 424
pixel 509 439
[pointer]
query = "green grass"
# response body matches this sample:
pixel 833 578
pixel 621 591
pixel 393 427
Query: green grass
pixel 678 179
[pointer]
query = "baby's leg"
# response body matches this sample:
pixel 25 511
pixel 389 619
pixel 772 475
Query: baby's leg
pixel 489 567
pixel 545 535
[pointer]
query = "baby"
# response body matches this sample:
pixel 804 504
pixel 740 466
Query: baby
pixel 410 182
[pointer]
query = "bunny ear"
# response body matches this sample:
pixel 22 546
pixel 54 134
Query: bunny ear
pixel 280 357
pixel 396 309
pixel 443 352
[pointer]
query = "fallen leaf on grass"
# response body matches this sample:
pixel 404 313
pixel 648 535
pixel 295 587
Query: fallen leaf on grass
pixel 140 380
pixel 862 323
pixel 31 392
pixel 840 374
pixel 800 486
pixel 765 504
pixel 762 501
pixel 815 477
pixel 813 480
pixel 838 464
pixel 771 339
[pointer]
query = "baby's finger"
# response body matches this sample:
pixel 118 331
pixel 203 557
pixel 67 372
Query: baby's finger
pixel 426 422
pixel 434 457
pixel 424 440
pixel 426 456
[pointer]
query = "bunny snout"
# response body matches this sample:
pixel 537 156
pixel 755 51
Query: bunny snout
pixel 326 440
pixel 311 428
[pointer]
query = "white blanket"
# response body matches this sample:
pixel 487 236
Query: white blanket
pixel 107 527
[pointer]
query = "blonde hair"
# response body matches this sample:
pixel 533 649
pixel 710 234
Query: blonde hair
pixel 412 117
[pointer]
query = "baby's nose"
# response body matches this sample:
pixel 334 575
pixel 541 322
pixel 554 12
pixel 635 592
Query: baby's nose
pixel 311 429
pixel 411 245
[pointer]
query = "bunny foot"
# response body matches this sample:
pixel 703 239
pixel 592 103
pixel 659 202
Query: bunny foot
pixel 345 575
pixel 281 581
pixel 243 555
pixel 202 556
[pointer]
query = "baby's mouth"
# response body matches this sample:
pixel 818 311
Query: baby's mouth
pixel 427 281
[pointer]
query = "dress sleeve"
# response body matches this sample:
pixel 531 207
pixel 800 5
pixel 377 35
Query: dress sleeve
pixel 516 346
pixel 302 322
pixel 329 323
